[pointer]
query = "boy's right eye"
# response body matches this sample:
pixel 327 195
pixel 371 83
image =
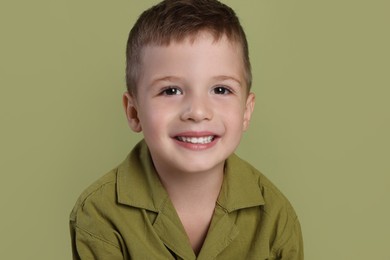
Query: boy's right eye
pixel 171 91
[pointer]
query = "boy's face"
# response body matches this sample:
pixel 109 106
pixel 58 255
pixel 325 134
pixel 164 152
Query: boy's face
pixel 191 104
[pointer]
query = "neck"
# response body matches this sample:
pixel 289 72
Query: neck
pixel 198 187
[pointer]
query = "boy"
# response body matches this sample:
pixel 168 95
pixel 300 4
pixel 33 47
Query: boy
pixel 182 193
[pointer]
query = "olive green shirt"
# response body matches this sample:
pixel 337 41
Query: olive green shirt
pixel 127 214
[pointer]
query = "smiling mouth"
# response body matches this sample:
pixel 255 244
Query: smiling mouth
pixel 196 140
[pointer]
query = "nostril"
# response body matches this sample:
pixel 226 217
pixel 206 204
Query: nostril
pixel 197 112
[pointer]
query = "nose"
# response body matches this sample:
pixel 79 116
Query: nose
pixel 197 108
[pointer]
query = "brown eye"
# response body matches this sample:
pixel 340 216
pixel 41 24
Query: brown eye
pixel 171 91
pixel 221 90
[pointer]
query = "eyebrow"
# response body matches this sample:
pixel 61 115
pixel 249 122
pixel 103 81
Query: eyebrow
pixel 167 78
pixel 223 77
pixel 216 78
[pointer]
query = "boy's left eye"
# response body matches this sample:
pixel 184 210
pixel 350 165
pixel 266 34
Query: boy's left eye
pixel 171 91
pixel 221 90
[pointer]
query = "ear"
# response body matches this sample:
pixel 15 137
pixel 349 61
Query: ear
pixel 249 107
pixel 131 110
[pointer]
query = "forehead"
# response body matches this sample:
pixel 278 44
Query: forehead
pixel 202 53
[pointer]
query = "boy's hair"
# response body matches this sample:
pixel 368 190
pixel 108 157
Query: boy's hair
pixel 175 20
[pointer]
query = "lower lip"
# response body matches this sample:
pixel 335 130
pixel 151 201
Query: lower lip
pixel 197 147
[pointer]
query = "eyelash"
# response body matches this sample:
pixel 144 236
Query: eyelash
pixel 218 90
pixel 171 91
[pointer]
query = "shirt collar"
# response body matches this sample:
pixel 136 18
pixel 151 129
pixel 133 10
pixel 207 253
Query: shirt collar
pixel 143 189
pixel 240 188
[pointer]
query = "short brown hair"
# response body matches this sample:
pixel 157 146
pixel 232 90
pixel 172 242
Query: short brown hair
pixel 176 20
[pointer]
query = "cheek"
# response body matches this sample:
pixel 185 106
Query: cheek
pixel 155 117
pixel 234 116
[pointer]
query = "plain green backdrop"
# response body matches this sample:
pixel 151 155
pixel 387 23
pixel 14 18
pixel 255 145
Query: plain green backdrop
pixel 320 130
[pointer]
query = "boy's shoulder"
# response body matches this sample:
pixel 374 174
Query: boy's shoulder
pixel 102 188
pixel 131 183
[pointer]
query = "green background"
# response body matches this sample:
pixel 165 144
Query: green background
pixel 320 130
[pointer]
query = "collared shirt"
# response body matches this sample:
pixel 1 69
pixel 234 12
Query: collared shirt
pixel 127 214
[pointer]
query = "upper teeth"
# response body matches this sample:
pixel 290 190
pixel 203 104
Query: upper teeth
pixel 196 140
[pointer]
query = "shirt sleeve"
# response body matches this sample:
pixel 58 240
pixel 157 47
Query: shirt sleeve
pixel 292 246
pixel 86 245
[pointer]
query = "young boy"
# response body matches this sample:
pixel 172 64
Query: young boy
pixel 182 193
